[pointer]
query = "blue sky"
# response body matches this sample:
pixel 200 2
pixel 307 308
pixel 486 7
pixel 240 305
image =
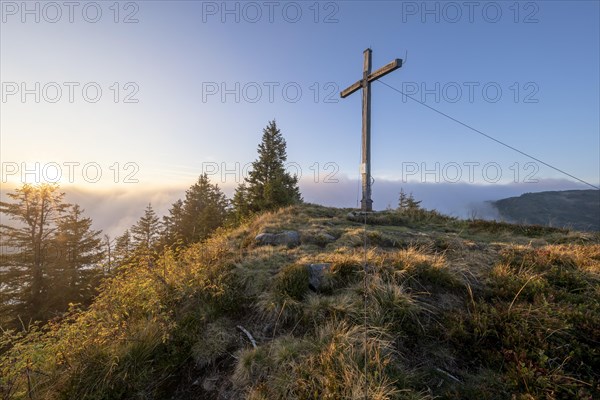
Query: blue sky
pixel 543 56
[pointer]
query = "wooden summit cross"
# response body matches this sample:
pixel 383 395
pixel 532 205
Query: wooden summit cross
pixel 365 84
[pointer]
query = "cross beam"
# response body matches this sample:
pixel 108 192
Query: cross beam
pixel 365 85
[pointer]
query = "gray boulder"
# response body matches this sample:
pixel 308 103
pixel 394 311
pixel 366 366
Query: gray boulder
pixel 316 275
pixel 286 238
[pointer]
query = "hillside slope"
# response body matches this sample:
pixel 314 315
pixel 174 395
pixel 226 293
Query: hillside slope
pixel 576 209
pixel 454 309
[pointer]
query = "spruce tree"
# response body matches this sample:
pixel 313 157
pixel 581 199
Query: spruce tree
pixel 27 247
pixel 241 203
pixel 407 203
pixel 172 224
pixel 204 209
pixel 268 185
pixel 50 255
pixel 123 248
pixel 77 263
pixel 402 200
pixel 146 233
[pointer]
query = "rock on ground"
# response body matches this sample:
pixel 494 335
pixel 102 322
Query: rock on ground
pixel 287 238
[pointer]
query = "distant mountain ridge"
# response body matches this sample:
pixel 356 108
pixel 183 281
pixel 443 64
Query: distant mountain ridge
pixel 576 209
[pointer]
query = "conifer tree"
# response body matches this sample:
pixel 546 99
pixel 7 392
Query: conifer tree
pixel 77 263
pixel 50 255
pixel 146 232
pixel 204 209
pixel 268 185
pixel 123 248
pixel 27 243
pixel 407 203
pixel 241 203
pixel 172 224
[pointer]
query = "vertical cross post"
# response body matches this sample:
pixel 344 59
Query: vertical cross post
pixel 366 202
pixel 365 85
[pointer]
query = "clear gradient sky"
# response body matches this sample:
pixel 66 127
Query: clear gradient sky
pixel 174 55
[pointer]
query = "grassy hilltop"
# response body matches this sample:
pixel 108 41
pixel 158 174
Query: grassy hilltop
pixel 455 309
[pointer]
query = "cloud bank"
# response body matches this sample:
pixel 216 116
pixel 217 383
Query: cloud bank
pixel 114 210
